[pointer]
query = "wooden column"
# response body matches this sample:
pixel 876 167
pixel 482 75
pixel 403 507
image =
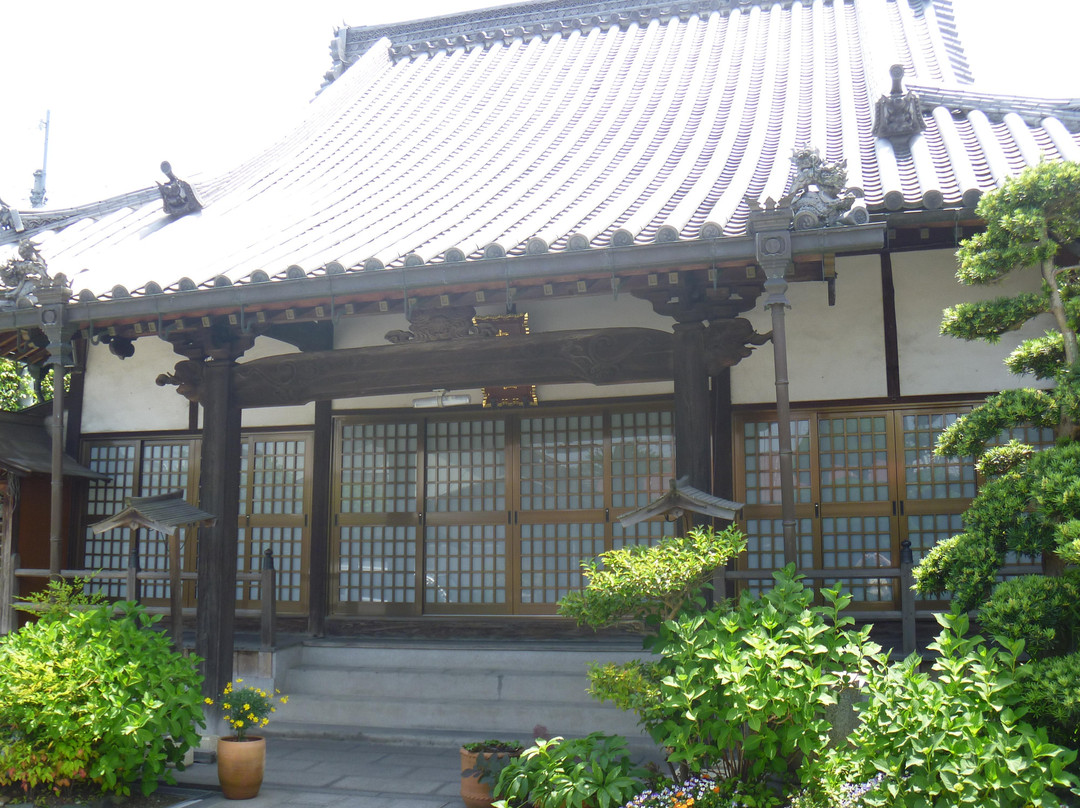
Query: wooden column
pixel 723 424
pixel 219 494
pixel 319 560
pixel 693 433
pixel 8 556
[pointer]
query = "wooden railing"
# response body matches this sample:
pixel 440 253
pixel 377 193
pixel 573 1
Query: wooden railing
pixel 133 577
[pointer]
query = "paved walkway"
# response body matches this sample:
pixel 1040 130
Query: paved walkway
pixel 319 773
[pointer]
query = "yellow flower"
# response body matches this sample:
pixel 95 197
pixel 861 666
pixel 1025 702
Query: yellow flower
pixel 239 681
pixel 247 706
pixel 284 699
pixel 208 700
pixel 251 717
pixel 226 706
pixel 238 723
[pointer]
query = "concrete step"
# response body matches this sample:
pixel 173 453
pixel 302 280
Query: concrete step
pixel 450 683
pixel 462 656
pixel 457 690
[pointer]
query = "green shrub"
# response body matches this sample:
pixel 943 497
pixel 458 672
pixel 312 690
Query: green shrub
pixel 594 771
pixel 750 688
pixel 1050 689
pixel 951 738
pixel 92 701
pixel 1041 611
pixel 650 584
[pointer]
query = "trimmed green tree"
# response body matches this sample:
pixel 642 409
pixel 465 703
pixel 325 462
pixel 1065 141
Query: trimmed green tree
pixel 1030 503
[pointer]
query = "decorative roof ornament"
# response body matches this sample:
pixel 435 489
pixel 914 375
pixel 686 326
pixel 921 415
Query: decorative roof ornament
pixel 21 275
pixel 177 196
pixel 819 194
pixel 436 325
pixel 898 115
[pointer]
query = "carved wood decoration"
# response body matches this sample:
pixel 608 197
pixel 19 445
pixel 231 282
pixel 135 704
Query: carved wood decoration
pixel 729 341
pixel 602 356
pixel 596 356
pixel 435 325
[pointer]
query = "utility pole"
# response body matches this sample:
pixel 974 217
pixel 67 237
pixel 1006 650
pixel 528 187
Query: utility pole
pixel 37 195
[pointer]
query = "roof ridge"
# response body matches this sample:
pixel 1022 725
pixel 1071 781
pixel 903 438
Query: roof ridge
pixel 19 224
pixel 534 18
pixel 996 105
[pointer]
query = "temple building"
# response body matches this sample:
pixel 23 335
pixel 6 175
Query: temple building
pixel 516 271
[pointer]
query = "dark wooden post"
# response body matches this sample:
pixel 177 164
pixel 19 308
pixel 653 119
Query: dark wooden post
pixel 723 463
pixel 176 591
pixel 907 597
pixel 11 585
pixel 693 433
pixel 52 297
pixel 133 593
pixel 219 493
pixel 319 558
pixel 268 597
pixel 9 559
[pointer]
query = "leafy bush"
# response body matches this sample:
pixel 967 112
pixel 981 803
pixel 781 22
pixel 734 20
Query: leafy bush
pixel 749 688
pixel 87 700
pixel 649 584
pixel 1050 689
pixel 595 771
pixel 1041 611
pixel 950 738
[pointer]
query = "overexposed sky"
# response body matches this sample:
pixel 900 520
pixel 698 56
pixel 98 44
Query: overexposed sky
pixel 205 83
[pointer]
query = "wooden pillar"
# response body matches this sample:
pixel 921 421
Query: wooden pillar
pixel 8 556
pixel 219 494
pixel 319 558
pixel 693 432
pixel 723 445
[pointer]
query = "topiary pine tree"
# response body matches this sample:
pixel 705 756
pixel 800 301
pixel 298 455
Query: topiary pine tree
pixel 1031 502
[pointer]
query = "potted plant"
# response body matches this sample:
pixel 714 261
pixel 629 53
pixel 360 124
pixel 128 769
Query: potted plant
pixel 481 764
pixel 591 772
pixel 241 758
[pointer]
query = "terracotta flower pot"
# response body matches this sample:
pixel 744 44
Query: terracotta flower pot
pixel 473 793
pixel 240 766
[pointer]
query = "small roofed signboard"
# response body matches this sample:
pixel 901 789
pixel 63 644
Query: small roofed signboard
pixel 681 498
pixel 163 513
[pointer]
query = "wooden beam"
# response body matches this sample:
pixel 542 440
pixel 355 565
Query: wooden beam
pixel 600 356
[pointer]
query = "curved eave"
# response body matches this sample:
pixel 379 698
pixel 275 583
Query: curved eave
pixel 585 264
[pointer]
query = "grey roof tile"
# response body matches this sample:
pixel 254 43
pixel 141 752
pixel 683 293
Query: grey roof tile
pixel 571 125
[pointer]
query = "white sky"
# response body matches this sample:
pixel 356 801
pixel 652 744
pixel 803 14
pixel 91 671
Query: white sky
pixel 204 83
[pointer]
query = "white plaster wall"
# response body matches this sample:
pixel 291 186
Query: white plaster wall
pixel 303 415
pixel 121 396
pixel 544 315
pixel 834 353
pixel 925 283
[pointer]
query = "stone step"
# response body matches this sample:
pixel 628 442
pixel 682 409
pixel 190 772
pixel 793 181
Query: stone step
pixel 477 718
pixel 449 683
pixel 545 657
pixel 467 691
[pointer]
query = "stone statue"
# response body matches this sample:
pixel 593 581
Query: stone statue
pixel 819 195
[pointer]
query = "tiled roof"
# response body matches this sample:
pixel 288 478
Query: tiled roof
pixel 583 126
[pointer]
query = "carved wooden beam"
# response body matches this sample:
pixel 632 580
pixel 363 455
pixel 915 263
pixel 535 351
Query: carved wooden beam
pixel 601 356
pixel 596 356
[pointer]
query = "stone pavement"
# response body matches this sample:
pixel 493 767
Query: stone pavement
pixel 325 773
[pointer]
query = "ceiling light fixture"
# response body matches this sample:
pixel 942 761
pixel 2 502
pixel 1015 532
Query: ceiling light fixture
pixel 440 400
